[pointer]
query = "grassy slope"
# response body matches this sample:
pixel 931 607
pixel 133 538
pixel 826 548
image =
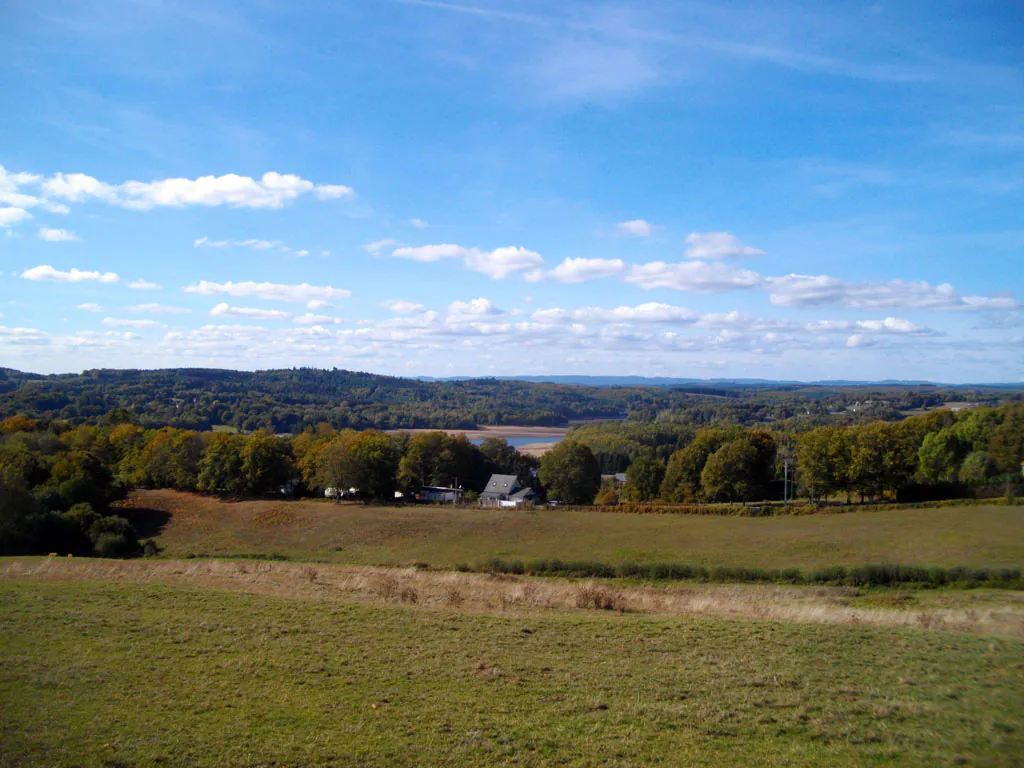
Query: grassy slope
pixel 126 674
pixel 982 536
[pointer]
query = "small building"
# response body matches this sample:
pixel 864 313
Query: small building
pixel 439 493
pixel 618 480
pixel 506 491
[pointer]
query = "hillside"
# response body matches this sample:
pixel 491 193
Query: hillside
pixel 288 400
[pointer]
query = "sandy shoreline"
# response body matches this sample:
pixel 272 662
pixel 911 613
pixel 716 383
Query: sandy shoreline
pixel 498 431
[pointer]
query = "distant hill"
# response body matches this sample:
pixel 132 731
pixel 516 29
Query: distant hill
pixel 289 400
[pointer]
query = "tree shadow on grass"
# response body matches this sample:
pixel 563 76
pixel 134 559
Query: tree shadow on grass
pixel 146 521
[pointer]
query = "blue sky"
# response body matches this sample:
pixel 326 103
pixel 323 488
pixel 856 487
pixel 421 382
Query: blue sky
pixel 777 190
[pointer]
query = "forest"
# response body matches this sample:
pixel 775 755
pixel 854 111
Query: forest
pixel 291 400
pixel 59 483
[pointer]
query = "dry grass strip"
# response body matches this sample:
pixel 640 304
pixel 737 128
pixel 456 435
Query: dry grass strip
pixel 507 593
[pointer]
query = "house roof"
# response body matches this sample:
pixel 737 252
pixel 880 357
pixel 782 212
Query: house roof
pixel 523 493
pixel 507 484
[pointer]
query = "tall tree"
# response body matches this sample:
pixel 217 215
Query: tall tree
pixel 570 473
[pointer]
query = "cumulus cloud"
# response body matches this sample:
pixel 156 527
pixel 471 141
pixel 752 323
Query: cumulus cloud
pixel 497 264
pixel 318 304
pixel 888 325
pixel 429 253
pixel 143 285
pixel 651 312
pixel 581 270
pixel 90 307
pixel 502 262
pixel 12 215
pixel 225 310
pixel 114 322
pixel 74 275
pixel 400 307
pixel 476 307
pixel 310 319
pixel 717 245
pixel 693 276
pixel 820 290
pixel 272 190
pixel 635 228
pixel 56 235
pixel 301 293
pixel 378 245
pixel 157 309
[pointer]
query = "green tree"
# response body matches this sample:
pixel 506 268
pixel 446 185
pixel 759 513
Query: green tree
pixel 570 473
pixel 823 461
pixel 643 479
pixel 938 458
pixel 266 463
pixel 681 483
pixel 221 468
pixel 367 461
pixel 978 467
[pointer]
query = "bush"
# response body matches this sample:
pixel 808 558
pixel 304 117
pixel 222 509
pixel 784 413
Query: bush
pixel 115 545
pixel 113 536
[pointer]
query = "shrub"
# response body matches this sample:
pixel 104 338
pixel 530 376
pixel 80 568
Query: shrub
pixel 597 597
pixel 114 545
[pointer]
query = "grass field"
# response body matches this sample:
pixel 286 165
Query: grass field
pixel 111 673
pixel 188 524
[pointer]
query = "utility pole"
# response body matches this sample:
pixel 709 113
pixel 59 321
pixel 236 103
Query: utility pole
pixel 785 480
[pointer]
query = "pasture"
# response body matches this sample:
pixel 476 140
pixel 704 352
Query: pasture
pixel 113 668
pixel 186 524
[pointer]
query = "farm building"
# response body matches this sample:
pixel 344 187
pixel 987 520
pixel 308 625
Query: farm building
pixel 440 493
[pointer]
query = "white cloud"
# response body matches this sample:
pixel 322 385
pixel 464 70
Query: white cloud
pixel 476 307
pixel 143 285
pixel 301 293
pixel 378 245
pixel 89 307
pixel 400 307
pixel 318 304
pixel 860 340
pixel 635 228
pixel 74 275
pixel 113 322
pixel 272 190
pixel 224 310
pixel 9 216
pixel 819 290
pixel 580 270
pixel 332 191
pixel 693 276
pixel 56 235
pixel 158 309
pixel 418 223
pixel 23 336
pixel 78 188
pixel 502 262
pixel 429 253
pixel 497 264
pixel 311 319
pixel 717 245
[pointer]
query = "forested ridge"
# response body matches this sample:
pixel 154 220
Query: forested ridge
pixel 290 400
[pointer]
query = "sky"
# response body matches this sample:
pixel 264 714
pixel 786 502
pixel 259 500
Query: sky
pixel 790 190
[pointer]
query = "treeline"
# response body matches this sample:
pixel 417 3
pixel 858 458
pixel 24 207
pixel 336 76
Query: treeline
pixel 291 400
pixel 57 483
pixel 935 455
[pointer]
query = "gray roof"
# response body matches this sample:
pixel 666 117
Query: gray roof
pixel 501 485
pixel 524 493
